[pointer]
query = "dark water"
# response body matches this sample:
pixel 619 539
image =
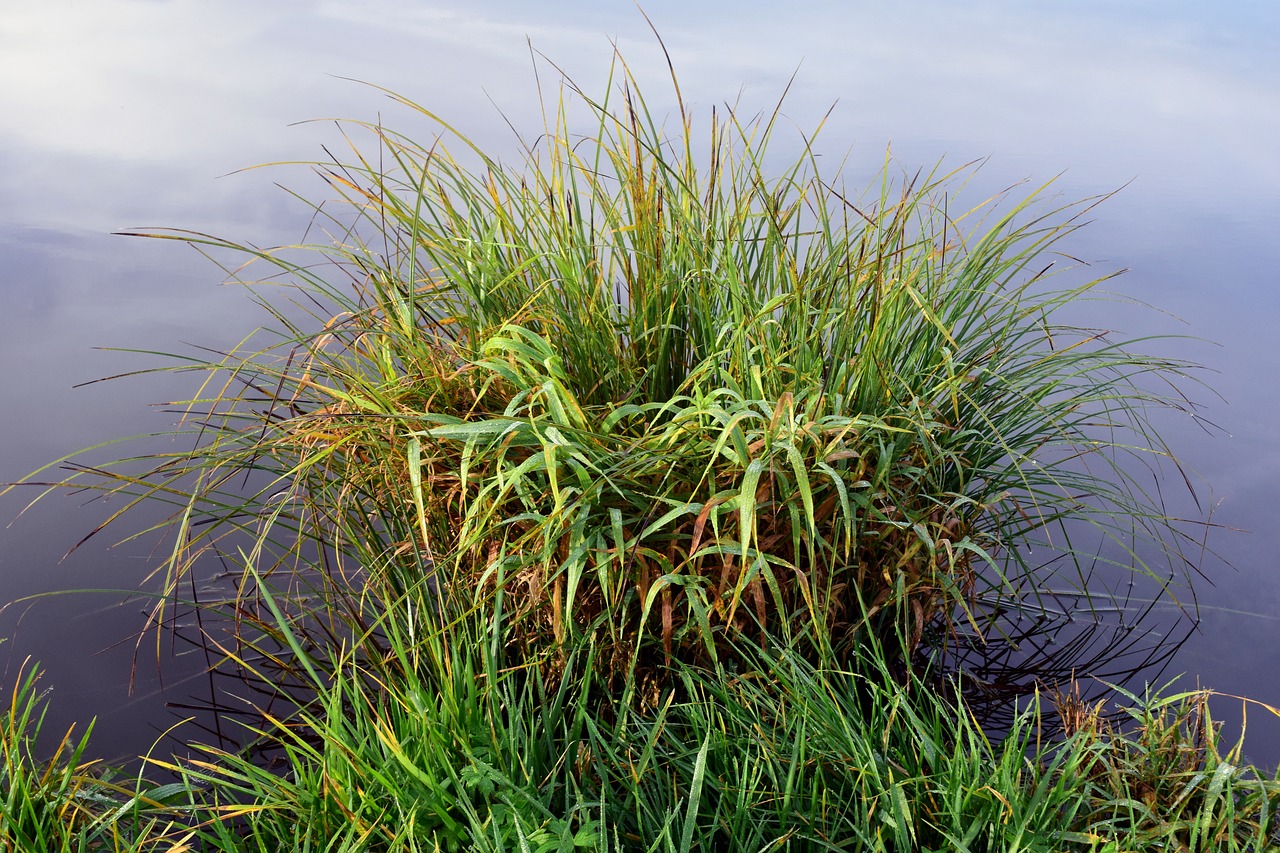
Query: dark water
pixel 124 114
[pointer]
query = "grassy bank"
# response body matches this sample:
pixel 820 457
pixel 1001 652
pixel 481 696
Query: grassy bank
pixel 633 497
pixel 801 760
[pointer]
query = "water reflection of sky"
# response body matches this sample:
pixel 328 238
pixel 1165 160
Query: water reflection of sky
pixel 118 114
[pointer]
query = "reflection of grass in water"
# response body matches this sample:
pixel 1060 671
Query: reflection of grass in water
pixel 1231 611
pixel 606 502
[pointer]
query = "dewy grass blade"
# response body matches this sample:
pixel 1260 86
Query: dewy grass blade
pixel 695 797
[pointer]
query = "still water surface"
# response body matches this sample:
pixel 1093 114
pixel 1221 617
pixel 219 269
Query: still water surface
pixel 128 113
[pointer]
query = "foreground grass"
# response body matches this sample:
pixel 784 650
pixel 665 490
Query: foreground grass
pixel 803 760
pixel 627 499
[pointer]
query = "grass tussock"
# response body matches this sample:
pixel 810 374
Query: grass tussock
pixel 40 797
pixel 613 500
pixel 63 801
pixel 639 392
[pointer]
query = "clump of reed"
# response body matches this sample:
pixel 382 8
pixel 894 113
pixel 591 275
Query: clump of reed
pixel 61 800
pixel 640 392
pixel 1162 777
pixel 39 808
